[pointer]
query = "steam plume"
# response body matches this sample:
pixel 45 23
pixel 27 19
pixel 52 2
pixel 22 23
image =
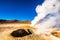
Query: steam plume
pixel 47 15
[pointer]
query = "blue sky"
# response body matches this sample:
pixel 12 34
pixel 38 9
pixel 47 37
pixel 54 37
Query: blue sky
pixel 18 9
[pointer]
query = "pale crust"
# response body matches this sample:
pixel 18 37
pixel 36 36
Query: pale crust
pixel 5 35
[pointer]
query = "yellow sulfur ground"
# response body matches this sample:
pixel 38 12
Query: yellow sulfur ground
pixel 5 35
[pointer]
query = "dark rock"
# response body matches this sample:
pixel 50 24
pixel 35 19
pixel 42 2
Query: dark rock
pixel 20 33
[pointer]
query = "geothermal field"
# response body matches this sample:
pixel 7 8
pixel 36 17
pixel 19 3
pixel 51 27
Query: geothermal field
pixel 45 26
pixel 7 28
pixel 9 31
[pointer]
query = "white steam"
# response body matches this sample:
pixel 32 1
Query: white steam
pixel 47 15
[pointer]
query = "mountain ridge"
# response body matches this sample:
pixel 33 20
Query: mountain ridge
pixel 14 21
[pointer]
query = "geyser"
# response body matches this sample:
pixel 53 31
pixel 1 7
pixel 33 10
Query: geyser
pixel 47 15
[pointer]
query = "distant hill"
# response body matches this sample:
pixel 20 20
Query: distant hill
pixel 14 21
